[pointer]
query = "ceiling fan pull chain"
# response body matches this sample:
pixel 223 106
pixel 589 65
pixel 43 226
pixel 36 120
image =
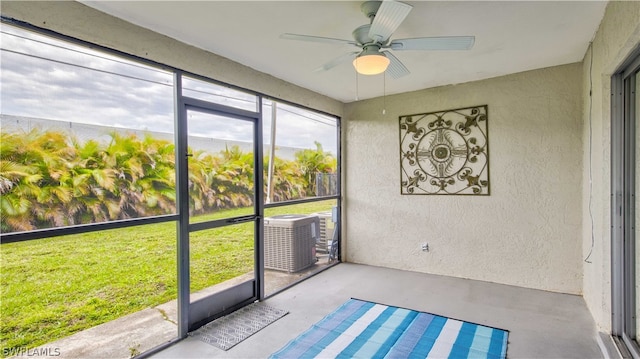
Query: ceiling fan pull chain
pixel 356 72
pixel 384 93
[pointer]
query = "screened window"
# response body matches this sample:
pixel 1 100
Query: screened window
pixel 86 137
pixel 300 153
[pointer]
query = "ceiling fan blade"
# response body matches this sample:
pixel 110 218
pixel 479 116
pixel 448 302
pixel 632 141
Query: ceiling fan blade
pixel 396 68
pixel 389 16
pixel 434 43
pixel 337 61
pixel 309 38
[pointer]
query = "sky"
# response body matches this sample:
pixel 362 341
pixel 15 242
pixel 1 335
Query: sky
pixel 41 77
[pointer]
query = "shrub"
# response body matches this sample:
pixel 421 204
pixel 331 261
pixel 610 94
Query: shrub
pixel 50 179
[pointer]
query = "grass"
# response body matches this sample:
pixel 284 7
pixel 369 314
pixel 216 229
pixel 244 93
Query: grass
pixel 54 287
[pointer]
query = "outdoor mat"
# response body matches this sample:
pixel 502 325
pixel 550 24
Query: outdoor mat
pixel 225 332
pixel 360 329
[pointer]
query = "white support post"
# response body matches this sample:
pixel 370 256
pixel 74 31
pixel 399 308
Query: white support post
pixel 272 152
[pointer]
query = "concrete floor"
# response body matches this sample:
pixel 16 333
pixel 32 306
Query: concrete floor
pixel 541 324
pixel 143 330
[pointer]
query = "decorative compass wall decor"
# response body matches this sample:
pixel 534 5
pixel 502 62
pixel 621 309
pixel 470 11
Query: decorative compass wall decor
pixel 445 152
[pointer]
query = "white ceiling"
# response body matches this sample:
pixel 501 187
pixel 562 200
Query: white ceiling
pixel 511 36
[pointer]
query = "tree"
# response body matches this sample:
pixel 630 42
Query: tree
pixel 312 162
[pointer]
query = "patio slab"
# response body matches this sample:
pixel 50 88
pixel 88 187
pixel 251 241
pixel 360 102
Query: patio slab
pixel 120 338
pixel 146 329
pixel 541 324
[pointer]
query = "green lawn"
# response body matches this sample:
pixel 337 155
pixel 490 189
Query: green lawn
pixel 54 287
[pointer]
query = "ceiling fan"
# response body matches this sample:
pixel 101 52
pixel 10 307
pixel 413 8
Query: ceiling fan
pixel 375 56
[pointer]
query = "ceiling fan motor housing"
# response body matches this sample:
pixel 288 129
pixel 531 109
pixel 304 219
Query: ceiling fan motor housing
pixel 361 35
pixel 372 49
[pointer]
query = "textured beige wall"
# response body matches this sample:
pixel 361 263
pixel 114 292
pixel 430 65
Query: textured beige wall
pixel 526 233
pixel 618 34
pixel 82 22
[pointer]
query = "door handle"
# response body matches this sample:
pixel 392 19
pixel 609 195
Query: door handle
pixel 241 219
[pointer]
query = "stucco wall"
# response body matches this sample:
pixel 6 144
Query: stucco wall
pixel 616 38
pixel 77 20
pixel 526 233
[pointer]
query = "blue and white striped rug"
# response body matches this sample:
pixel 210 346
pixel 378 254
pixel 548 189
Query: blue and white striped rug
pixel 360 329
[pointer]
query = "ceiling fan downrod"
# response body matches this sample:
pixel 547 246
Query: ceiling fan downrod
pixel 370 8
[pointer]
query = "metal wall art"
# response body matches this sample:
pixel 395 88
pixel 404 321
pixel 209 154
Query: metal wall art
pixel 445 152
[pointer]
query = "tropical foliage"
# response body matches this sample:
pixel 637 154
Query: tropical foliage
pixel 312 162
pixel 51 179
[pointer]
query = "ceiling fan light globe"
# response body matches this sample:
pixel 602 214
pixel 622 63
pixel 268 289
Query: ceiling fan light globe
pixel 371 64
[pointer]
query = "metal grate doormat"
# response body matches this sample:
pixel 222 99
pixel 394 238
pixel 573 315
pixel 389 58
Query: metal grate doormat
pixel 227 331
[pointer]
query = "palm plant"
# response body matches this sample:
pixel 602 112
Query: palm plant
pixel 312 162
pixel 224 180
pixel 92 180
pixel 234 175
pixel 201 193
pixel 16 181
pixel 35 179
pixel 288 182
pixel 159 182
pixel 144 183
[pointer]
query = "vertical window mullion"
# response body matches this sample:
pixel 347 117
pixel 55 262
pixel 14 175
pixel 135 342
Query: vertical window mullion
pixel 182 203
pixel 617 247
pixel 629 243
